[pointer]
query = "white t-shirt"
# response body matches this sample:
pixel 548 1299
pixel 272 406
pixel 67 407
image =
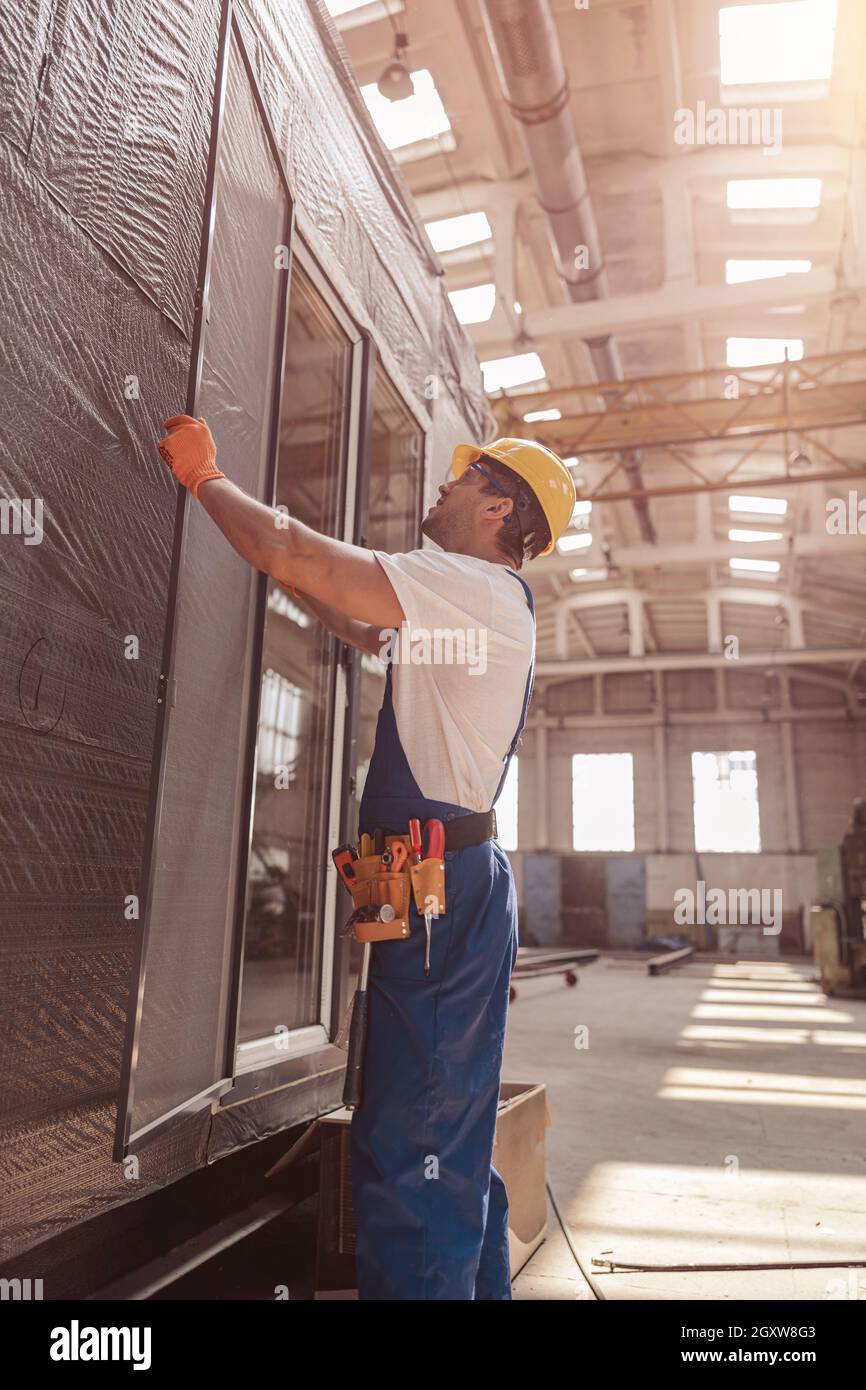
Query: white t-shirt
pixel 460 664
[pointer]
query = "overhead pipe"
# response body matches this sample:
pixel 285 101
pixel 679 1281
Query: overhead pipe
pixel 528 58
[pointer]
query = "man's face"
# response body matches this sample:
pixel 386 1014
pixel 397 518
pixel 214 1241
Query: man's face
pixel 454 516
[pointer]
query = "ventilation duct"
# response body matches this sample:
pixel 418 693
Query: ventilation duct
pixel 525 47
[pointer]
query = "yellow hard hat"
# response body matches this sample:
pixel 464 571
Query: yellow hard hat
pixel 538 466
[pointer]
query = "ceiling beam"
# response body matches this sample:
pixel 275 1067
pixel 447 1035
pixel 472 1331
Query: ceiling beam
pixel 667 48
pixel 691 661
pixel 624 174
pixel 672 303
pixel 698 553
pixel 613 173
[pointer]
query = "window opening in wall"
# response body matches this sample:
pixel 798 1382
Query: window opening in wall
pixel 602 786
pixel 727 819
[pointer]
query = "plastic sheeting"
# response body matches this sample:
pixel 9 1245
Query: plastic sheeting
pixel 359 204
pixel 93 356
pixel 105 110
pixel 186 1003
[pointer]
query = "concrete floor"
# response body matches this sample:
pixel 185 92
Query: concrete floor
pixel 717 1115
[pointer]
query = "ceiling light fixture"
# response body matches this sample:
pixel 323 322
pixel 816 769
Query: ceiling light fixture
pixel 395 83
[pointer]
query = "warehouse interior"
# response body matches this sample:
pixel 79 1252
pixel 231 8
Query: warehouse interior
pixel 632 230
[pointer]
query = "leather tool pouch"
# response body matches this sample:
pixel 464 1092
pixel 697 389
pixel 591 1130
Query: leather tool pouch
pixel 374 887
pixel 428 886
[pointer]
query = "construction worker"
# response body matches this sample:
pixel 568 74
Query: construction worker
pixel 431 1211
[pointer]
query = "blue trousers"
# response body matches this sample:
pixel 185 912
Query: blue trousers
pixel 431 1212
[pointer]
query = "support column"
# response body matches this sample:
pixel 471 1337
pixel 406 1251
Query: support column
pixel 542 784
pixel 635 625
pixel 661 770
pixel 792 791
pixel 714 622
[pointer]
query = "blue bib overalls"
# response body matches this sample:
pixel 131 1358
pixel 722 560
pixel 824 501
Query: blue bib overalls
pixel 431 1213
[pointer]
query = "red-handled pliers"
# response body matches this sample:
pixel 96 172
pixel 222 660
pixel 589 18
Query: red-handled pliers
pixel 434 839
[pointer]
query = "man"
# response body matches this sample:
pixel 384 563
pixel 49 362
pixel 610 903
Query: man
pixel 431 1212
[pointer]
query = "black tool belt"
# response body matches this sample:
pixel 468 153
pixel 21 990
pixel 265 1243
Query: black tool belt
pixel 463 831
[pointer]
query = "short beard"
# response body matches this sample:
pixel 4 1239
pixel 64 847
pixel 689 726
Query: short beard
pixel 431 528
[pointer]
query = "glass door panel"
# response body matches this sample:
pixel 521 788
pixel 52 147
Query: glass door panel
pixel 283 938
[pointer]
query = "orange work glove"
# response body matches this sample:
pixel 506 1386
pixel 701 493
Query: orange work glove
pixel 189 451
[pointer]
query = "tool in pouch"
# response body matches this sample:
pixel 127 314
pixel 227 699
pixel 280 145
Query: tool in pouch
pixel 428 875
pixel 379 886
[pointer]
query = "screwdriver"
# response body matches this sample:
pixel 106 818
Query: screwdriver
pixel 415 840
pixel 434 834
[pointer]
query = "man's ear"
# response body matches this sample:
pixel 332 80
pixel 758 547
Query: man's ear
pixel 499 509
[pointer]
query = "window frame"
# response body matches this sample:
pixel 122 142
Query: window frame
pixel 370 366
pixel 252 1056
pixel 230 39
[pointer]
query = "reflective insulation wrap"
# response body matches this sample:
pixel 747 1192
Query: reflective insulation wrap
pixel 360 205
pixel 186 996
pixel 105 121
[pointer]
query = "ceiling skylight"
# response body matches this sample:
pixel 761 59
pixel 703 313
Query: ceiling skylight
pixel 337 8
pixel 736 534
pixel 738 272
pixel 474 305
pixel 450 233
pixel 758 506
pixel 774 193
pixel 419 117
pixel 587 576
pixel 787 42
pixel 765 568
pixel 574 540
pixel 762 352
pixel 500 373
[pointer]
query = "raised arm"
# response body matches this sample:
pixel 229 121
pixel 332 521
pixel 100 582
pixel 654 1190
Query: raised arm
pixel 367 637
pixel 344 577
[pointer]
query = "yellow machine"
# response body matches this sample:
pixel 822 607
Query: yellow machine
pixel 838 918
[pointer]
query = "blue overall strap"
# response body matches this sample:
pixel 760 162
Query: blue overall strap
pixel 527 694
